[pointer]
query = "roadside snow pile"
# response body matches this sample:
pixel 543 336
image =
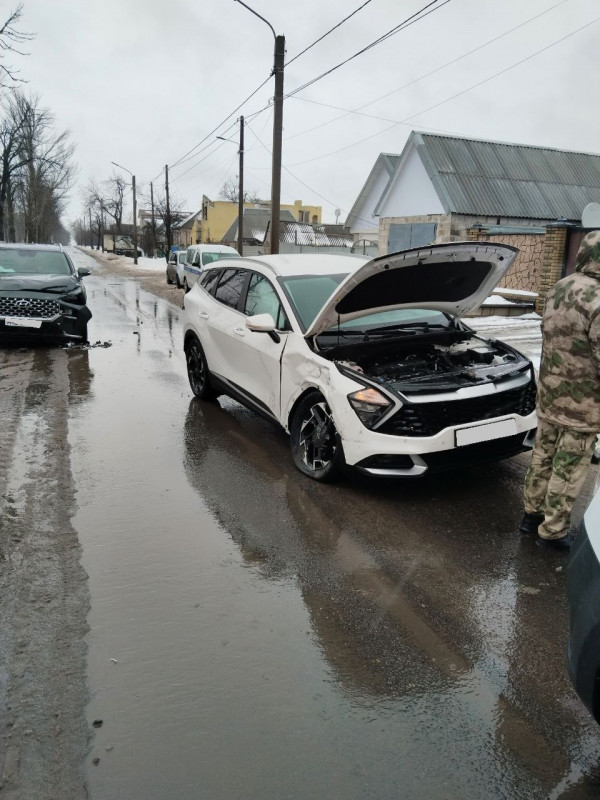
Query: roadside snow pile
pixel 523 332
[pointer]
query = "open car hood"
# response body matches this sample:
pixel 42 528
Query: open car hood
pixel 453 278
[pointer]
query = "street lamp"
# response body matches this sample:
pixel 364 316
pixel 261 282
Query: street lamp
pixel 278 64
pixel 241 187
pixel 135 241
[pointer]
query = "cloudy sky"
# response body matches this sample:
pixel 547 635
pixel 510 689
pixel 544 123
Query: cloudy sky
pixel 144 82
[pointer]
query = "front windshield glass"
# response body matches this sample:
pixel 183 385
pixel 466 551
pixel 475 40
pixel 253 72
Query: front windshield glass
pixel 33 262
pixel 309 293
pixel 208 258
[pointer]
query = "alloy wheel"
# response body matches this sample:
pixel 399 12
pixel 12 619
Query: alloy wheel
pixel 317 438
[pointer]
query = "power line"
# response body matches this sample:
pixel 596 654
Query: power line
pixel 331 30
pixel 452 97
pixel 314 191
pixel 416 17
pixel 416 80
pixel 214 130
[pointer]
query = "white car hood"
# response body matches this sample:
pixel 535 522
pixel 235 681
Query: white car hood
pixel 453 278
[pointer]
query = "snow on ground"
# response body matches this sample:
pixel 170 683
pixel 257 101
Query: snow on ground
pixel 523 333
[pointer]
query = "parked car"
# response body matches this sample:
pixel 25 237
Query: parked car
pixel 199 256
pixel 175 268
pixel 584 602
pixel 365 362
pixel 41 294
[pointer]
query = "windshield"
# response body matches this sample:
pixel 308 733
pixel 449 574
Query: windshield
pixel 33 262
pixel 309 293
pixel 208 258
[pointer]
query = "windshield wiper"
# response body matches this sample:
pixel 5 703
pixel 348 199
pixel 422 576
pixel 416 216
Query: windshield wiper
pixel 408 327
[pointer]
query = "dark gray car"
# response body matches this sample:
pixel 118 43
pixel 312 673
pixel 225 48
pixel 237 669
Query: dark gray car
pixel 42 297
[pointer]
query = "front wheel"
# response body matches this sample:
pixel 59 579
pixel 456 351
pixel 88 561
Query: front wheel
pixel 169 280
pixel 315 443
pixel 197 369
pixel 177 281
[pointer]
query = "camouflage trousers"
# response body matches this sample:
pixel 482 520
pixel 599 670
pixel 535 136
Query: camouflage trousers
pixel 559 464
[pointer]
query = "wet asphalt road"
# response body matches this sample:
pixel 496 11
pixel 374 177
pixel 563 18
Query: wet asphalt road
pixel 253 634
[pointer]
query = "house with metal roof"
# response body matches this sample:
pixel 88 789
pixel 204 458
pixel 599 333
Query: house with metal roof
pixel 439 187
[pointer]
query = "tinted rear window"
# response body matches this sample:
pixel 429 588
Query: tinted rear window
pixel 33 262
pixel 230 286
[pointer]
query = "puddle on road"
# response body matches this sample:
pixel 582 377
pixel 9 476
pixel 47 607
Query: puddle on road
pixel 248 637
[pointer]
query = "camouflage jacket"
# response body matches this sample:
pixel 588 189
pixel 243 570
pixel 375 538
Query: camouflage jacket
pixel 569 381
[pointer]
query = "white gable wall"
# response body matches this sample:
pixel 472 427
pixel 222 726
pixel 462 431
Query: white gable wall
pixel 365 223
pixel 412 193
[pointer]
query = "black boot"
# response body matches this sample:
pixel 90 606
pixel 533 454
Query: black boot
pixel 562 543
pixel 531 522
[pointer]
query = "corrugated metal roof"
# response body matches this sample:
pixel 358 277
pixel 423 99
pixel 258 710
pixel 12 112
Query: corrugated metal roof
pixel 256 221
pixel 304 234
pixel 510 180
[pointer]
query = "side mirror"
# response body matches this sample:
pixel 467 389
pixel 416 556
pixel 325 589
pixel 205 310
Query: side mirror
pixel 262 323
pixel 83 271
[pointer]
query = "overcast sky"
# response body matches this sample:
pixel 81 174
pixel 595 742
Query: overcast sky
pixel 142 82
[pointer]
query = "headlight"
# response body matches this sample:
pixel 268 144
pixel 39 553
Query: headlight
pixel 76 296
pixel 370 405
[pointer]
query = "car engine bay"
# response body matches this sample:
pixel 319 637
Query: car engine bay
pixel 432 367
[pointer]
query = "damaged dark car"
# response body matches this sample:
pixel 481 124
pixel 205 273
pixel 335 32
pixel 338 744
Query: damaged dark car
pixel 42 297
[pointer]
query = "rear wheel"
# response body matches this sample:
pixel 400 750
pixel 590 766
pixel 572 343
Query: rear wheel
pixel 315 443
pixel 197 369
pixel 169 280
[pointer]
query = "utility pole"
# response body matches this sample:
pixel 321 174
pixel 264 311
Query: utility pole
pixel 135 244
pixel 241 192
pixel 278 65
pixel 91 230
pixel 153 226
pixel 135 241
pixel 168 213
pixel 277 135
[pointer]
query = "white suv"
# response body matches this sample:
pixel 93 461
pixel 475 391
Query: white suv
pixel 365 362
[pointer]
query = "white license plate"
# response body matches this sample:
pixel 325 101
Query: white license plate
pixel 22 322
pixel 484 433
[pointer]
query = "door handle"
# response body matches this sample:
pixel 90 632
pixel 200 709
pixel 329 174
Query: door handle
pixel 239 331
pixel 203 314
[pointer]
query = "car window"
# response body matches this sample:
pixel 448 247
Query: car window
pixel 189 255
pixel 181 257
pixel 196 261
pixel 33 262
pixel 230 286
pixel 208 258
pixel 262 299
pixel 209 279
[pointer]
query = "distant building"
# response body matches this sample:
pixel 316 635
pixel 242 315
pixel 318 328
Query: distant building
pixel 218 215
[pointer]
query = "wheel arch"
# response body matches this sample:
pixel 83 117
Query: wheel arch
pixel 304 392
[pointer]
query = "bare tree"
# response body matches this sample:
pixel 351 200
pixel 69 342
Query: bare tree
pixel 231 191
pixel 109 197
pixel 168 217
pixel 39 184
pixel 10 40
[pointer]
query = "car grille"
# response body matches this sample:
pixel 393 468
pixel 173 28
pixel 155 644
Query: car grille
pixel 27 307
pixel 428 419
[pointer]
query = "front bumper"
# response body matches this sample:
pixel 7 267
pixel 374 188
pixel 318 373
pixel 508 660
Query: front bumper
pixel 70 325
pixel 583 657
pixel 384 455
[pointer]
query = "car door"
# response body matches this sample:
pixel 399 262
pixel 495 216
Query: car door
pixel 224 317
pixel 259 352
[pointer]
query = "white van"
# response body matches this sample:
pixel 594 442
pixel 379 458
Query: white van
pixel 199 255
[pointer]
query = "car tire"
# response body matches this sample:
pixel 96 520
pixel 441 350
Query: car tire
pixel 186 288
pixel 84 334
pixel 169 281
pixel 314 441
pixel 178 282
pixel 197 369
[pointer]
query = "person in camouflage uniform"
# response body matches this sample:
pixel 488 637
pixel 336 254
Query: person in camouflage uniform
pixel 568 401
